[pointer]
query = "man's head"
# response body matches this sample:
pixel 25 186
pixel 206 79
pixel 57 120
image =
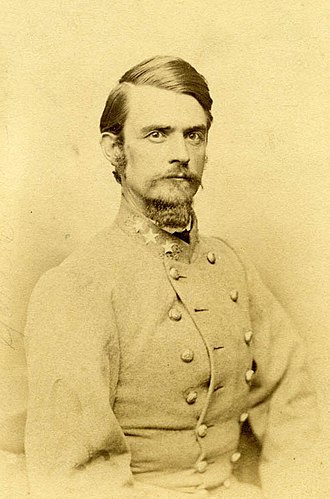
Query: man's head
pixel 154 131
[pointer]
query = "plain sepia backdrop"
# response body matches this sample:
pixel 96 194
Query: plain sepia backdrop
pixel 267 181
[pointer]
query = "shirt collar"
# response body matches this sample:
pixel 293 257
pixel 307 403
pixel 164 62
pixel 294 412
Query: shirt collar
pixel 171 230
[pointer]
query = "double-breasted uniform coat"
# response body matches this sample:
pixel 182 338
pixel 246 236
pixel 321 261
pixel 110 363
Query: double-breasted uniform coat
pixel 146 355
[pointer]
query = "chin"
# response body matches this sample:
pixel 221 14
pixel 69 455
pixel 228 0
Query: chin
pixel 173 195
pixel 167 212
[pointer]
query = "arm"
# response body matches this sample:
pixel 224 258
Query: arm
pixel 75 447
pixel 283 412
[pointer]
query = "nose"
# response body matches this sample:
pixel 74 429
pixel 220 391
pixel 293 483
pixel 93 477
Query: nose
pixel 179 152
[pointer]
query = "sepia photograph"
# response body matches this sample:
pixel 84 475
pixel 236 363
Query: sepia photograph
pixel 164 249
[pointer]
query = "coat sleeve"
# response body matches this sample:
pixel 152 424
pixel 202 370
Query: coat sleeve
pixel 74 445
pixel 283 408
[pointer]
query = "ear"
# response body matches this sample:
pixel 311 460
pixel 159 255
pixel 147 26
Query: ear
pixel 110 147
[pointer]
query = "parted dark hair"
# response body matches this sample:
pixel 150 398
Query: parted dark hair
pixel 169 73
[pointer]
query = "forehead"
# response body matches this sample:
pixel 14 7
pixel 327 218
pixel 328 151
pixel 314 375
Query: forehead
pixel 151 105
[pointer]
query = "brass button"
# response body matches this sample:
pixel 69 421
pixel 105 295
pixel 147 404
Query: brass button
pixel 211 257
pixel 187 355
pixel 226 483
pixel 191 397
pixel 174 273
pixel 248 336
pixel 202 430
pixel 243 417
pixel 249 375
pixel 201 466
pixel 174 314
pixel 235 457
pixel 234 295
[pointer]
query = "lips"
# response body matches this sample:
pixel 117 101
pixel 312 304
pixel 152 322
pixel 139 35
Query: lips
pixel 180 177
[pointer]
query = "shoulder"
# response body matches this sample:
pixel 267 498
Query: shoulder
pixel 73 300
pixel 89 267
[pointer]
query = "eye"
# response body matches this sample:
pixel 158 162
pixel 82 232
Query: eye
pixel 156 136
pixel 195 137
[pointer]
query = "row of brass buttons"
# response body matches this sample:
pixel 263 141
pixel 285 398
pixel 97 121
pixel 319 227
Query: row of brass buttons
pixel 201 466
pixel 175 315
pixel 188 355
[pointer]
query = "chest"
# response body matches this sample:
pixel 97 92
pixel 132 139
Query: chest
pixel 178 333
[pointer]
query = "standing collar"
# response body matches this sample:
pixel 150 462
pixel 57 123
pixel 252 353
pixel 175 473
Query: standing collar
pixel 157 240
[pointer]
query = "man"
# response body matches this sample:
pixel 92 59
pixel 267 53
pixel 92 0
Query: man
pixel 149 348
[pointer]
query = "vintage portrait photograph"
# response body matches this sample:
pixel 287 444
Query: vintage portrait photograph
pixel 164 249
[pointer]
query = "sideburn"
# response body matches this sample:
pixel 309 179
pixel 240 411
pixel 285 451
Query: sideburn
pixel 120 163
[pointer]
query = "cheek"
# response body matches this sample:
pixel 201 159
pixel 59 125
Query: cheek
pixel 139 157
pixel 130 154
pixel 200 160
pixel 140 166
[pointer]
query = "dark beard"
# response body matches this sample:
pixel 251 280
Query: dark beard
pixel 169 214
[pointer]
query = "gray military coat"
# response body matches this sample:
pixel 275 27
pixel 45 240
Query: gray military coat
pixel 146 355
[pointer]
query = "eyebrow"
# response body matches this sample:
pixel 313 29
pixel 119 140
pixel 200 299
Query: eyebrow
pixel 197 128
pixel 163 128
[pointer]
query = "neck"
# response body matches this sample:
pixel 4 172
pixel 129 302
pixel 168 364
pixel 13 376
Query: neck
pixel 133 200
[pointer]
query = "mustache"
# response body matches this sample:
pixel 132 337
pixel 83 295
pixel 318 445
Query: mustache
pixel 184 174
